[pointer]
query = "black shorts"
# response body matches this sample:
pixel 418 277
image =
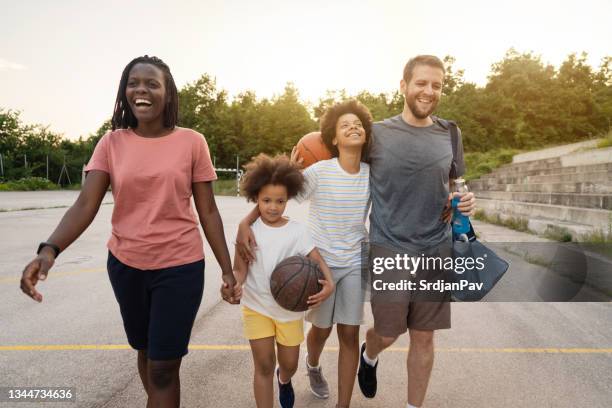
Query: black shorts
pixel 158 306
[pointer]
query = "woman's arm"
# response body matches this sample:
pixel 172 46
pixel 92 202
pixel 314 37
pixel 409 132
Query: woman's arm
pixel 73 223
pixel 213 230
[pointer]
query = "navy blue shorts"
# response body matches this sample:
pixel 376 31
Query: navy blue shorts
pixel 158 306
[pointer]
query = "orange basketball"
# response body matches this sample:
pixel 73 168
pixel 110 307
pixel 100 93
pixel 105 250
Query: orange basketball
pixel 312 149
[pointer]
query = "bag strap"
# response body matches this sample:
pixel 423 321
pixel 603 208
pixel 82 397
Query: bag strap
pixel 451 126
pixel 454 134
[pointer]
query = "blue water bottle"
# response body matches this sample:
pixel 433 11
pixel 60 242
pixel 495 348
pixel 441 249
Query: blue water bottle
pixel 460 222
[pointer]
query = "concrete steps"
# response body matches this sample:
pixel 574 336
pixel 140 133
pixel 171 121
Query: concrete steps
pixel 511 172
pixel 597 201
pixel 584 219
pixel 595 177
pixel 578 188
pixel 567 188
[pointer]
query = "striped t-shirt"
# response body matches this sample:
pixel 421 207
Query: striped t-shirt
pixel 339 204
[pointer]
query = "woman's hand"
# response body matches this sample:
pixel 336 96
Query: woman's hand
pixel 327 289
pixel 36 270
pixel 231 290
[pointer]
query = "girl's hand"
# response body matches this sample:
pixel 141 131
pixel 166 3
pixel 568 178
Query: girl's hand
pixel 327 289
pixel 237 292
pixel 295 157
pixel 36 270
pixel 245 243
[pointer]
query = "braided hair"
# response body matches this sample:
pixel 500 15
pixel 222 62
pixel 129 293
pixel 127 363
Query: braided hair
pixel 124 118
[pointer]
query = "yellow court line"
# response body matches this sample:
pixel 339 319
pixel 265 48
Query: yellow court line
pixel 244 347
pixel 47 347
pixel 53 274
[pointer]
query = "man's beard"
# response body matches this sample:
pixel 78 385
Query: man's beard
pixel 419 114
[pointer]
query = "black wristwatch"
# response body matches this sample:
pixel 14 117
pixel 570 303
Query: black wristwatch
pixel 54 247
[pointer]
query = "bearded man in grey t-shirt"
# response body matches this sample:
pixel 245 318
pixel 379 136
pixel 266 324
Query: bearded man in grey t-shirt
pixel 410 159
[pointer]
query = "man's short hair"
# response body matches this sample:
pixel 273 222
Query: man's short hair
pixel 430 60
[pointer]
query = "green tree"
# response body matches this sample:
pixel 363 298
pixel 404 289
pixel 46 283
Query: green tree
pixel 202 107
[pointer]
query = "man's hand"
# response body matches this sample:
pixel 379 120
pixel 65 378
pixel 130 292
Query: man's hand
pixel 36 270
pixel 467 205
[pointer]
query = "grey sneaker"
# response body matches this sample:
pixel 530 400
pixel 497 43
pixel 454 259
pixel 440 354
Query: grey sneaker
pixel 318 384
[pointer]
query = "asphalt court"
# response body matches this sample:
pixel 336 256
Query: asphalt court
pixel 496 354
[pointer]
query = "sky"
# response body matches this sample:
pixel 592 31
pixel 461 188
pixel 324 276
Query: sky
pixel 61 60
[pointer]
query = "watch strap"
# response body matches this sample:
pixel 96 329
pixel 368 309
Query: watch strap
pixel 48 244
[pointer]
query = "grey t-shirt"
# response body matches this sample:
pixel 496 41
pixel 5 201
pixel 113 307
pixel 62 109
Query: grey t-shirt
pixel 409 174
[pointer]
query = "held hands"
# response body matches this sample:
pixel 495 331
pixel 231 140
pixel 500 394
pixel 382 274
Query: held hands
pixel 467 205
pixel 231 290
pixel 37 270
pixel 315 300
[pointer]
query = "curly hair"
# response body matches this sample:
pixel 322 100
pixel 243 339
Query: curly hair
pixel 264 170
pixel 123 117
pixel 330 119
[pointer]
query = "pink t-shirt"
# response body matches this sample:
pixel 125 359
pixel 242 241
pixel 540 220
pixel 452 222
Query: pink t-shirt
pixel 154 225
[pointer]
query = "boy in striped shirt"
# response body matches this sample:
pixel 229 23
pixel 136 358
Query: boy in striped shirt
pixel 339 194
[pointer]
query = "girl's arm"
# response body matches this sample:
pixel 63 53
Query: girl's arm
pixel 241 268
pixel 328 283
pixel 73 223
pixel 213 229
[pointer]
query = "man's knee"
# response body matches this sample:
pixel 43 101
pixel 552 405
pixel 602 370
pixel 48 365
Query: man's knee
pixel 382 341
pixel 387 341
pixel 421 339
pixel 163 373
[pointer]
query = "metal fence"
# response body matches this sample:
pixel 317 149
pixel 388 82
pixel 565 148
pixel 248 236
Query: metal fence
pixel 69 171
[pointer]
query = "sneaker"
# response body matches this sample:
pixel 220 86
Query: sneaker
pixel 318 384
pixel 286 396
pixel 366 375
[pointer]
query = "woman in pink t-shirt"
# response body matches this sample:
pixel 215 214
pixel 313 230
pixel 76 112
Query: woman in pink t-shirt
pixel 156 257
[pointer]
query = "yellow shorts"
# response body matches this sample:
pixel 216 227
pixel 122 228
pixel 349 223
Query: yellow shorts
pixel 258 326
